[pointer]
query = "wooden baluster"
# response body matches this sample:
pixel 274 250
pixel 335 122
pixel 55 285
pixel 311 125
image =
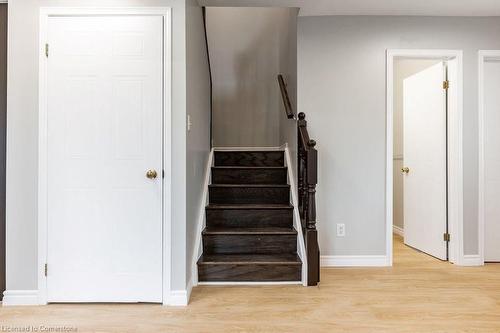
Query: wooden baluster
pixel 302 167
pixel 301 179
pixel 304 195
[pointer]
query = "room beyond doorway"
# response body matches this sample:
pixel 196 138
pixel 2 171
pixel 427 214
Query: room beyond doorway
pixel 424 163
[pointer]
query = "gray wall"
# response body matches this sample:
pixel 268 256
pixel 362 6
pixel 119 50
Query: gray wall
pixel 198 107
pixel 403 68
pixel 341 87
pixel 3 128
pixel 22 137
pixel 247 52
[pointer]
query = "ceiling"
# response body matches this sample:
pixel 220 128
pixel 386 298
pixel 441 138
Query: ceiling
pixel 373 7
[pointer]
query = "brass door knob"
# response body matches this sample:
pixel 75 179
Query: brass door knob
pixel 152 174
pixel 405 170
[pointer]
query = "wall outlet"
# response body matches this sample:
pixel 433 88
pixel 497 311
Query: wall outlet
pixel 340 230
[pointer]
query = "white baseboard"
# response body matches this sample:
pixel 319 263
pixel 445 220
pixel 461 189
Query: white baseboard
pixel 180 297
pixel 398 230
pixel 471 260
pixel 20 297
pixel 270 283
pixel 355 261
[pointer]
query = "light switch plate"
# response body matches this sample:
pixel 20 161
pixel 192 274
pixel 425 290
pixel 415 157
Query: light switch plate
pixel 340 230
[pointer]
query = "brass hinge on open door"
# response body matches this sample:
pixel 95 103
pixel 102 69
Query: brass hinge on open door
pixel 46 268
pixel 47 50
pixel 446 237
pixel 446 84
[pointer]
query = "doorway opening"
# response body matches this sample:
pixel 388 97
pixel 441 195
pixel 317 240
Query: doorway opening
pixel 424 159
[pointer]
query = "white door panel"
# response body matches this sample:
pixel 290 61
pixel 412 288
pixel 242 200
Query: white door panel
pixel 425 156
pixel 104 134
pixel 492 161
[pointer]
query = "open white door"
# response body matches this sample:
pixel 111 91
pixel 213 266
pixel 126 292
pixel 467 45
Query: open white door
pixel 104 134
pixel 491 161
pixel 425 201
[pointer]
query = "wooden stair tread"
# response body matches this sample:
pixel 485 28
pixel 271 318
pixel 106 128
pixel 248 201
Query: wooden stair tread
pixel 249 206
pixel 244 259
pixel 249 231
pixel 237 151
pixel 249 158
pixel 250 185
pixel 248 167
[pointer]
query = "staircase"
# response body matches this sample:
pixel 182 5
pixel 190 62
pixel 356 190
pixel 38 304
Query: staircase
pixel 249 234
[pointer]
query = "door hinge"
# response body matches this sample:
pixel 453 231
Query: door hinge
pixel 46 269
pixel 446 237
pixel 47 50
pixel 446 84
pixel 162 173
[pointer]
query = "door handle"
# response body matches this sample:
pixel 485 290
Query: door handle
pixel 405 170
pixel 151 174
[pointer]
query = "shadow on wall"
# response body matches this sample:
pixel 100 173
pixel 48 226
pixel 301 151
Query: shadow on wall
pixel 246 47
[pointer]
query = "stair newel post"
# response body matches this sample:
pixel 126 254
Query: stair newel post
pixel 311 232
pixel 312 180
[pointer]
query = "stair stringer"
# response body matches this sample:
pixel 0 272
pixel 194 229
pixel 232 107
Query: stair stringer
pixel 198 246
pixel 301 247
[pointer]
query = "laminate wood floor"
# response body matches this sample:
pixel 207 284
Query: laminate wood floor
pixel 418 294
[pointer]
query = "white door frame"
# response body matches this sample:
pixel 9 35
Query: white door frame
pixel 455 151
pixel 483 56
pixel 45 13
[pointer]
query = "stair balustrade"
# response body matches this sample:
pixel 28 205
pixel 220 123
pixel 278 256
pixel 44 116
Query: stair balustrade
pixel 307 172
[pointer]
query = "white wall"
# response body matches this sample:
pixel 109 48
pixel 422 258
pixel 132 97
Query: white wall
pixel 198 107
pixel 341 82
pixel 22 137
pixel 403 68
pixel 246 53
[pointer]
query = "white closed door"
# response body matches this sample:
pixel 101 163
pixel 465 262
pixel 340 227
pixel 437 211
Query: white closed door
pixel 424 118
pixel 492 161
pixel 104 134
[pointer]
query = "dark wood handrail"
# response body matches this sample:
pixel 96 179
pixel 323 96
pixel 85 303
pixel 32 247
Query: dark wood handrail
pixel 286 98
pixel 307 171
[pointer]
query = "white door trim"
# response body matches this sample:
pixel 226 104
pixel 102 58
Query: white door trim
pixel 483 56
pixel 45 13
pixel 455 158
